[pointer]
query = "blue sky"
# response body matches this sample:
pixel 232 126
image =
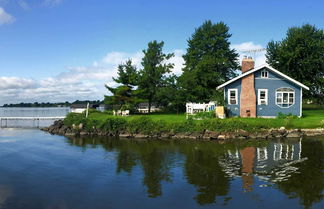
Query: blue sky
pixel 57 50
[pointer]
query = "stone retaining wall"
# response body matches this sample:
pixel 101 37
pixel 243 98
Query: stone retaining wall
pixel 59 128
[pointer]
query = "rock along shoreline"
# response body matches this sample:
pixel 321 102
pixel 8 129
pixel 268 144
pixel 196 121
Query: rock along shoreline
pixel 58 128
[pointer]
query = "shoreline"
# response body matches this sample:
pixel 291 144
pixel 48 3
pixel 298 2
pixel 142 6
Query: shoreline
pixel 58 128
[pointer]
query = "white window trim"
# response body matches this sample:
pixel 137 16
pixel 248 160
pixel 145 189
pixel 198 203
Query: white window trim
pixel 289 92
pixel 229 95
pixel 265 71
pixel 301 103
pixel 266 96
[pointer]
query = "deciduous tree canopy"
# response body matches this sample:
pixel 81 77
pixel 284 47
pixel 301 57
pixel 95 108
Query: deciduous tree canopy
pixel 209 61
pixel 301 55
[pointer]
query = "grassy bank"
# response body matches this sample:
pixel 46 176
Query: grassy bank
pixel 156 124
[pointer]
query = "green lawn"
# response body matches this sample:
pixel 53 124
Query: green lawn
pixel 166 117
pixel 312 118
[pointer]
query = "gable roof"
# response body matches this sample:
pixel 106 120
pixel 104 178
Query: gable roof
pixel 259 68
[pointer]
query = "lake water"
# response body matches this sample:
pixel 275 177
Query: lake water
pixel 39 170
pixel 31 112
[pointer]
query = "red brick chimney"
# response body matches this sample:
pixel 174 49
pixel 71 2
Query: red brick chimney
pixel 248 96
pixel 247 64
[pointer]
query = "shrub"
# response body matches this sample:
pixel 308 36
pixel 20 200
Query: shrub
pixel 93 111
pixel 108 112
pixel 204 115
pixel 145 125
pixel 74 118
pixel 114 125
pixel 286 116
pixel 90 125
pixel 135 125
pixel 158 128
pixel 187 126
pixel 148 126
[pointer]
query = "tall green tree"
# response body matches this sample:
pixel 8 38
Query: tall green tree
pixel 124 94
pixel 154 71
pixel 209 61
pixel 301 55
pixel 171 95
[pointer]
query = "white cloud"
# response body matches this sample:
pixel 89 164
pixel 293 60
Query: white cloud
pixel 259 57
pixel 27 5
pixel 16 83
pixel 115 58
pixel 178 61
pixel 82 82
pixel 5 18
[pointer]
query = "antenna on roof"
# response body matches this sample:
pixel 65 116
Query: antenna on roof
pixel 252 51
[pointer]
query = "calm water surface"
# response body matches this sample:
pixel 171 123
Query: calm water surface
pixel 31 112
pixel 38 170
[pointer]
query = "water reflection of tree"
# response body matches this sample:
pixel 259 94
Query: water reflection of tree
pixel 126 160
pixel 308 183
pixel 155 158
pixel 156 167
pixel 203 170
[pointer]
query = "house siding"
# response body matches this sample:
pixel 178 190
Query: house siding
pixel 272 83
pixel 233 110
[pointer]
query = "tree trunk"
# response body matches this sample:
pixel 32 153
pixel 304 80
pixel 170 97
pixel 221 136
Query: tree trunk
pixel 149 107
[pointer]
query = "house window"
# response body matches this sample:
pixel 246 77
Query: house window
pixel 264 74
pixel 285 97
pixel 232 96
pixel 262 96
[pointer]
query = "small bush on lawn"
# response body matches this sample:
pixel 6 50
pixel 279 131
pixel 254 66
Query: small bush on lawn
pixel 108 112
pixel 114 125
pixel 286 116
pixel 158 128
pixel 135 125
pixel 187 126
pixel 74 118
pixel 90 125
pixel 228 125
pixel 93 111
pixel 204 115
pixel 145 125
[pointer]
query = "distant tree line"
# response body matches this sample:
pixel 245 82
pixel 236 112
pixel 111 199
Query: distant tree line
pixel 209 62
pixel 48 104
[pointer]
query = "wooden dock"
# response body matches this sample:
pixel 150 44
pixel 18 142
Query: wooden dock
pixel 35 120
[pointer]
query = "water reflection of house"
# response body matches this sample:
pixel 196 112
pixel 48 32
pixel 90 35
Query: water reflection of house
pixel 272 163
pixel 248 158
pixel 277 154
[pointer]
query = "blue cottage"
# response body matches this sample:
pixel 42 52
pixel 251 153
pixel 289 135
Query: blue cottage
pixel 262 92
